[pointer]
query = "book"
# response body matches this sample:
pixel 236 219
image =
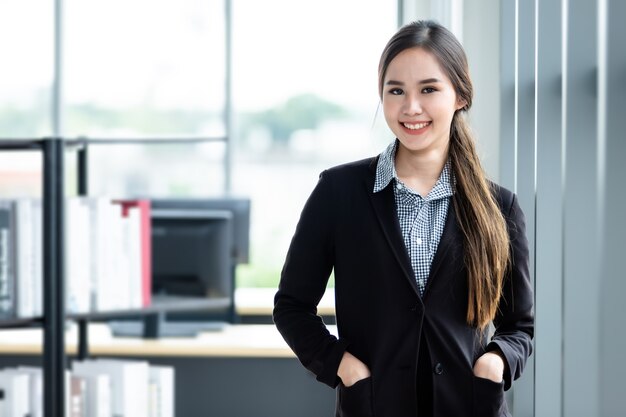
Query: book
pixel 35 388
pixel 161 385
pixel 15 386
pixel 37 251
pixel 3 408
pixel 77 255
pixel 8 294
pixel 98 399
pixel 129 384
pixel 139 229
pixel 25 273
pixel 103 216
pixel 78 394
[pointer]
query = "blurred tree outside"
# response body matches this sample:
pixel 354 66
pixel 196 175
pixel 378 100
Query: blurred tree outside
pixel 304 111
pixel 282 124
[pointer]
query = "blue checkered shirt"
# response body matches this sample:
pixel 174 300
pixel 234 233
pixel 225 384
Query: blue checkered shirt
pixel 421 219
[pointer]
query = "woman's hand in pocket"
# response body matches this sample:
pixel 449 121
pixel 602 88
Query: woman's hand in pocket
pixel 352 370
pixel 490 366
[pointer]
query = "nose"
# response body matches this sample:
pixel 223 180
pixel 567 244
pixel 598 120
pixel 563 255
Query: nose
pixel 412 105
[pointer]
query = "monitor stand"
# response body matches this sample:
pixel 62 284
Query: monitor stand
pixel 154 326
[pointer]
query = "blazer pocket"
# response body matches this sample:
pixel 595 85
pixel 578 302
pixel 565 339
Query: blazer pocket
pixel 488 398
pixel 356 400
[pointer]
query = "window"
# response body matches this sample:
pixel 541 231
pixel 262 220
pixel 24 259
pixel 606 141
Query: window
pixel 27 68
pixel 25 89
pixel 147 69
pixel 305 97
pixel 304 77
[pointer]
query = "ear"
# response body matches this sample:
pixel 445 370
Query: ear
pixel 460 103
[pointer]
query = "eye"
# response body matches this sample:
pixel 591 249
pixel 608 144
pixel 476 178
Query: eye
pixel 396 91
pixel 428 90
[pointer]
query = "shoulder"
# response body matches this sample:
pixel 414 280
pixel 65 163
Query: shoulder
pixel 361 169
pixel 504 197
pixel 510 208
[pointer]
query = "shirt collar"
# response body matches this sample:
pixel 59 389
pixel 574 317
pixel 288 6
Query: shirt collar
pixel 386 172
pixel 386 169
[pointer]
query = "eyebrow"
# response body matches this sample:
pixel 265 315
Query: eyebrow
pixel 426 81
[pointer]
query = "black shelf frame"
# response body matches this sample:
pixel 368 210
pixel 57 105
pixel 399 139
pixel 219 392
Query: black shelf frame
pixel 54 360
pixel 54 312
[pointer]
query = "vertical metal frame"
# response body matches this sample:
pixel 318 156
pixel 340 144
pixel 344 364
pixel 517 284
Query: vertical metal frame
pixel 525 127
pixel 508 59
pixel 82 159
pixel 580 235
pixel 53 280
pixel 549 219
pixel 57 85
pixel 228 101
pixel 82 156
pixel 612 172
pixel 525 168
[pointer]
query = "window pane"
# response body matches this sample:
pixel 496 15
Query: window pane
pixel 305 95
pixel 144 68
pixel 161 170
pixel 26 72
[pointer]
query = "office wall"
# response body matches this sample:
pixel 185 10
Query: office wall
pixel 562 96
pixel 481 40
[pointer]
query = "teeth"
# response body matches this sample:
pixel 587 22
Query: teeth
pixel 416 126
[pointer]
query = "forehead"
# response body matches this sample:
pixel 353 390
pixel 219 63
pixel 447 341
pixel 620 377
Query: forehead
pixel 415 63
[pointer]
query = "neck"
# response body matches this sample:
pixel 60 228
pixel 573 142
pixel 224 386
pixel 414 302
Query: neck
pixel 424 167
pixel 420 170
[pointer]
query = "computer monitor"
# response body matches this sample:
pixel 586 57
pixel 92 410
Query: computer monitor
pixel 191 252
pixel 238 206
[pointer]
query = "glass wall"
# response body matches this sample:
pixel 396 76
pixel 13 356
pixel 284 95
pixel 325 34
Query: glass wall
pixel 305 96
pixel 147 69
pixel 26 48
pixel 144 68
pixel 26 73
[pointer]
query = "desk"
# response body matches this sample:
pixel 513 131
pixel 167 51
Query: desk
pixel 260 302
pixel 242 371
pixel 261 341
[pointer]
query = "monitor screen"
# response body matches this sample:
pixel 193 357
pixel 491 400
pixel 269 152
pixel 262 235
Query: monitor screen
pixel 238 207
pixel 191 252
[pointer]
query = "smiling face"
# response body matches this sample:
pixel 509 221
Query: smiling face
pixel 419 102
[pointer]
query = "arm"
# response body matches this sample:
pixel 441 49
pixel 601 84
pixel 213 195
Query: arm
pixel 303 281
pixel 514 321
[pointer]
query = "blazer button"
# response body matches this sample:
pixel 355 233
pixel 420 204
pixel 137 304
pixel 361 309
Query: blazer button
pixel 438 368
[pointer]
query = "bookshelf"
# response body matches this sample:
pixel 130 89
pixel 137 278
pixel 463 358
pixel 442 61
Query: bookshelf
pixel 54 316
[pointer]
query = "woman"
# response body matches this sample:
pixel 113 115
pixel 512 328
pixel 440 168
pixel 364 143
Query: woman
pixel 426 253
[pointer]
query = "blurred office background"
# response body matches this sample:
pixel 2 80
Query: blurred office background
pixel 291 88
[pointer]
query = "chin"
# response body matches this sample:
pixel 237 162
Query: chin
pixel 414 144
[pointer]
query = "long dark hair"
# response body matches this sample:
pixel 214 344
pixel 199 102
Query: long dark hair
pixel 485 237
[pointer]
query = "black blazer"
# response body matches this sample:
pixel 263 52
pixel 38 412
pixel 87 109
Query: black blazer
pixel 381 317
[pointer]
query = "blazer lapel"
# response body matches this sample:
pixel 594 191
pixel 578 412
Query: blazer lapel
pixel 449 237
pixel 385 208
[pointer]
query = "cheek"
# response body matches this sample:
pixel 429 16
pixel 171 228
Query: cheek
pixel 445 111
pixel 392 106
